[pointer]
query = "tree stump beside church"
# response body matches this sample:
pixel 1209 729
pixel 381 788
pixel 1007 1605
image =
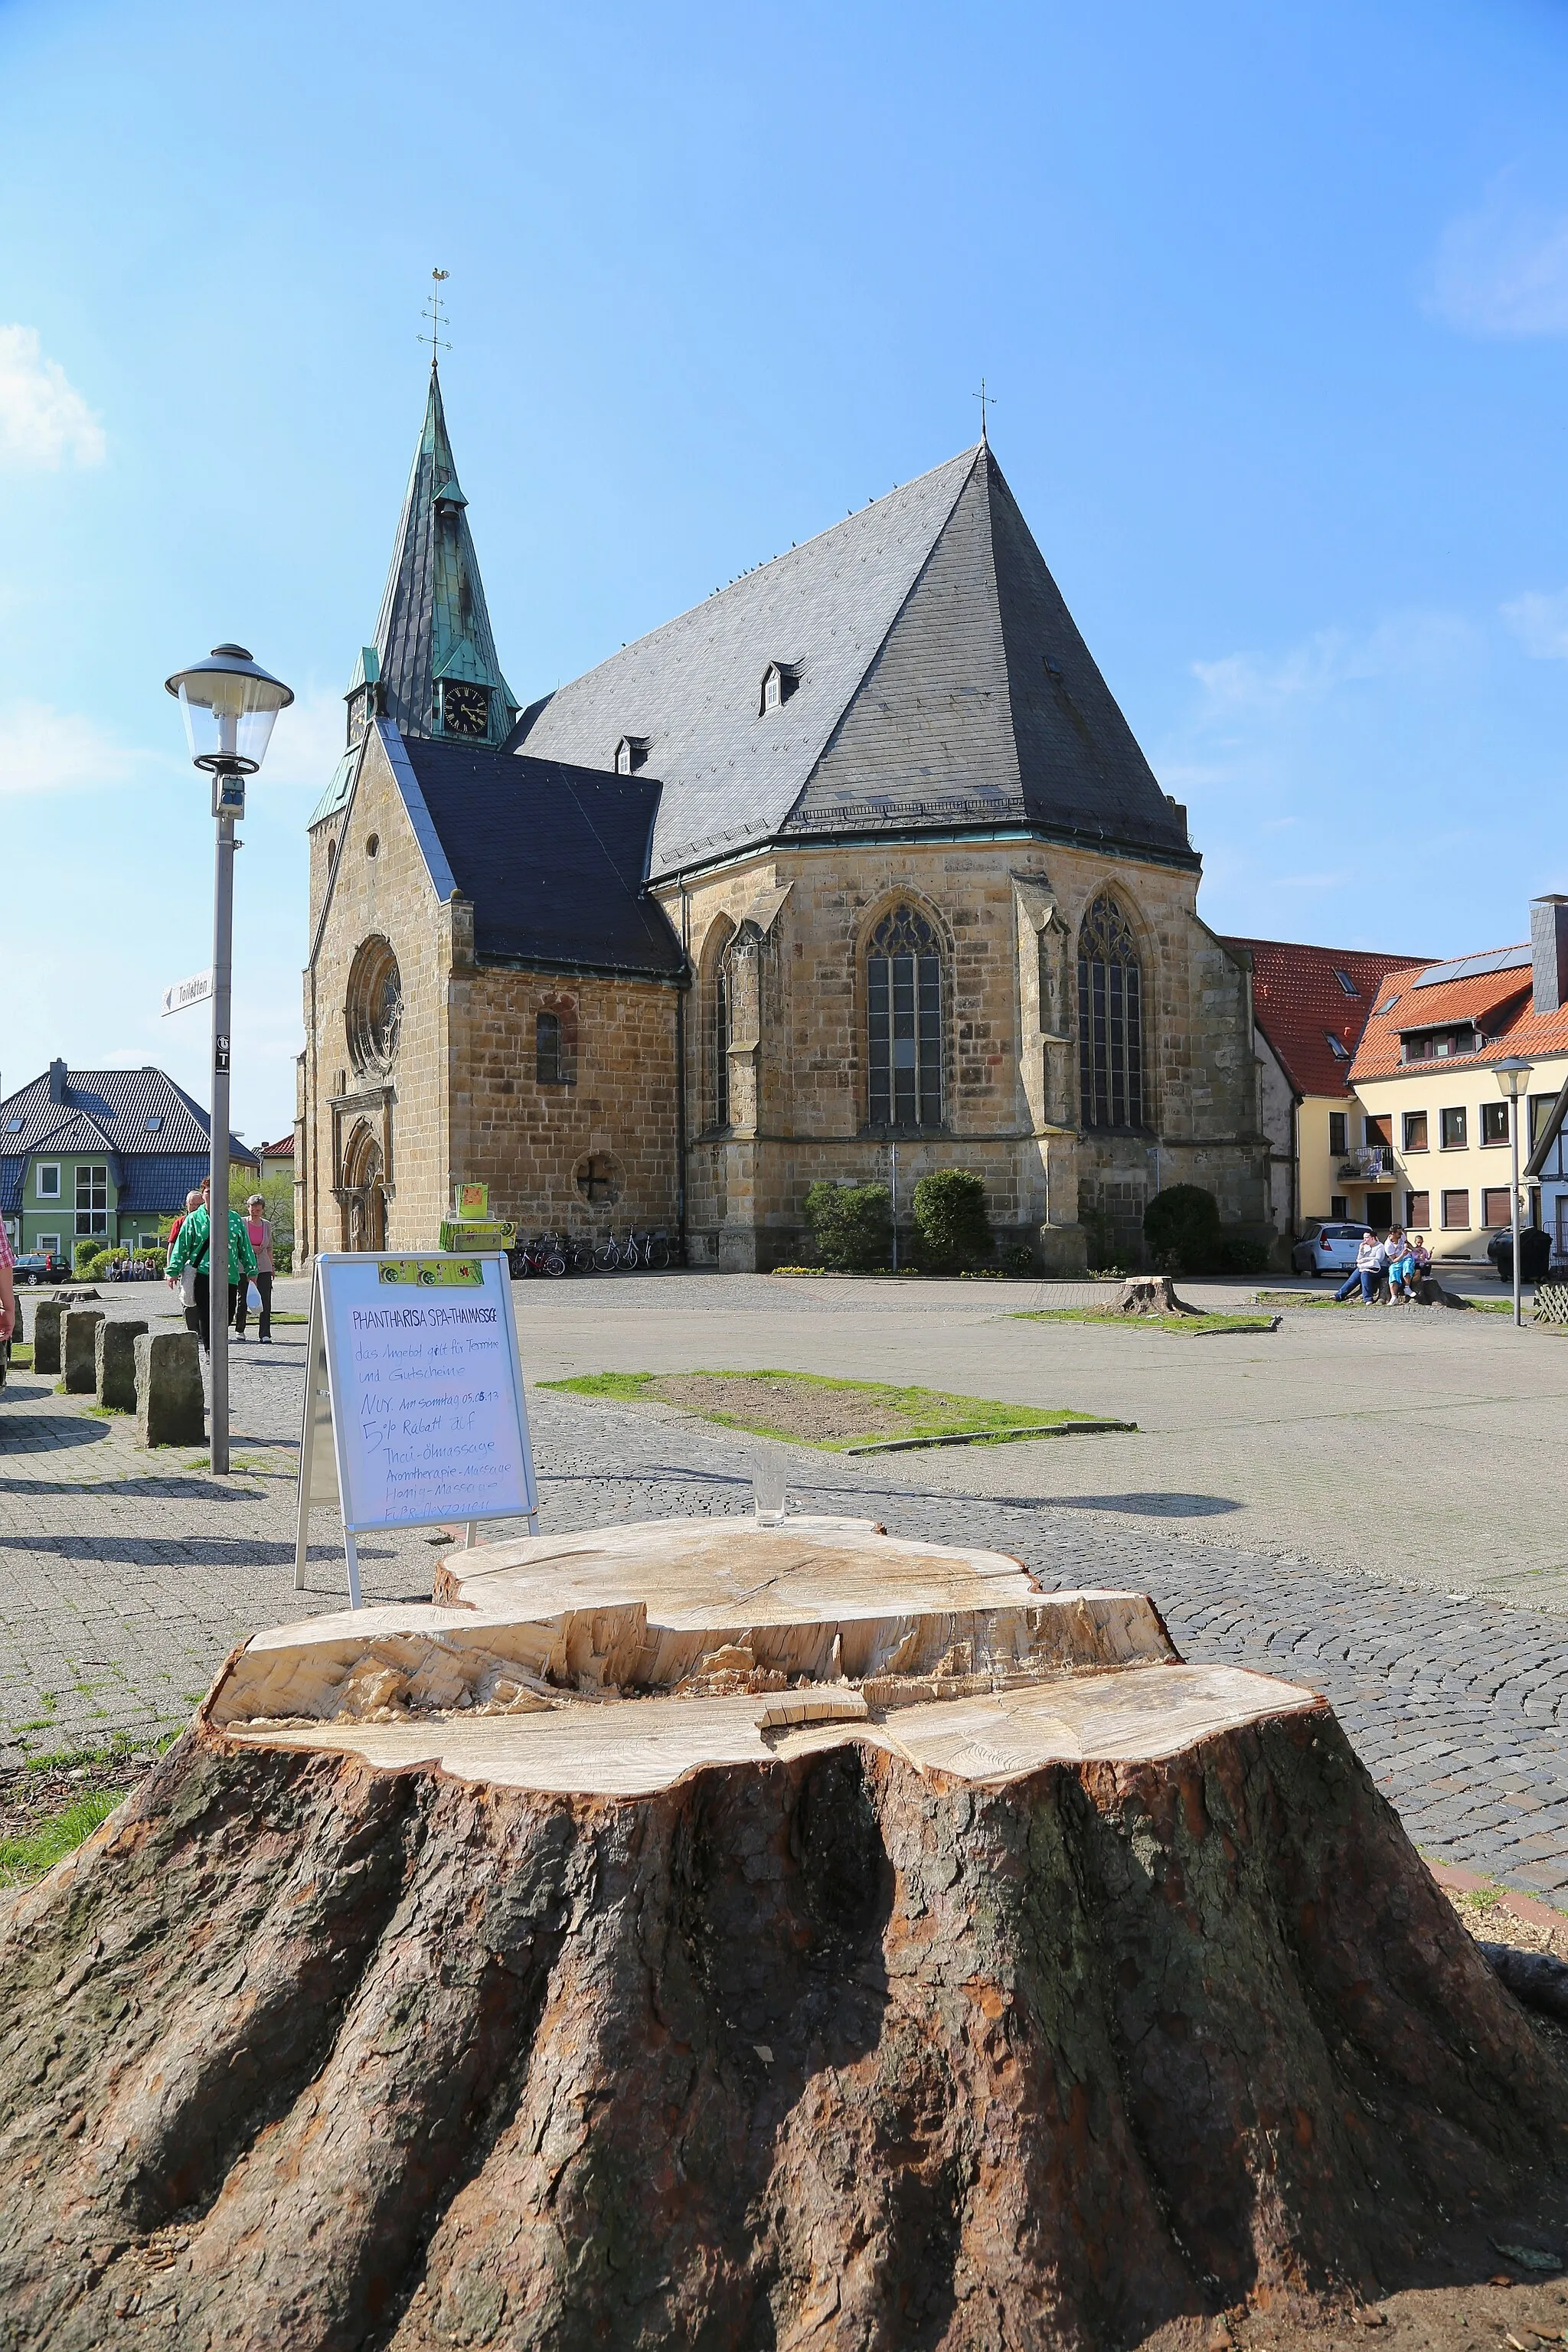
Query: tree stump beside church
pixel 701 1934
pixel 1150 1294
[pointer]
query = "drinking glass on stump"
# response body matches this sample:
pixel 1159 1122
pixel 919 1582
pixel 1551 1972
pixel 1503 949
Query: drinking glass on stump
pixel 768 1487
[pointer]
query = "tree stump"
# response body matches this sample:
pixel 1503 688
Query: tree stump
pixel 1150 1294
pixel 703 1935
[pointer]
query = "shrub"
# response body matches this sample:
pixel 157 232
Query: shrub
pixel 1241 1254
pixel 1101 1240
pixel 849 1226
pixel 1182 1227
pixel 1019 1259
pixel 951 1223
pixel 91 1246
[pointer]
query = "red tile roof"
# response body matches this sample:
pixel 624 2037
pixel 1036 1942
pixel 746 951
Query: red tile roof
pixel 1497 1003
pixel 1299 1003
pixel 282 1150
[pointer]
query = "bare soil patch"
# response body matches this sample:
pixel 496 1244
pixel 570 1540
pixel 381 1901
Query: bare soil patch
pixel 815 1415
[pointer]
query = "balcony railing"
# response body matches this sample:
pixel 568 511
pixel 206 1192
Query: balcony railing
pixel 1364 1167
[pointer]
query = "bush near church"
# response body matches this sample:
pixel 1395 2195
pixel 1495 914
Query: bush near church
pixel 952 1227
pixel 849 1226
pixel 1181 1228
pixel 1183 1233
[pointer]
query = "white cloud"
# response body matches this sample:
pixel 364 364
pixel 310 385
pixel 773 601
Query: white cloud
pixel 44 420
pixel 1502 270
pixel 46 750
pixel 1260 685
pixel 1541 624
pixel 308 741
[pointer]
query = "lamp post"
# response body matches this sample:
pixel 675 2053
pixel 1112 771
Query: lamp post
pixel 230 705
pixel 1512 1077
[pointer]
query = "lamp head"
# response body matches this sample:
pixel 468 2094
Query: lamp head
pixel 1512 1075
pixel 230 703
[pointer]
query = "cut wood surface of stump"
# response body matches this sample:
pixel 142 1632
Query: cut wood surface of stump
pixel 709 1935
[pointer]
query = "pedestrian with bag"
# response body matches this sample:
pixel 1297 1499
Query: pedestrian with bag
pixel 194 1248
pixel 260 1232
pixel 183 1278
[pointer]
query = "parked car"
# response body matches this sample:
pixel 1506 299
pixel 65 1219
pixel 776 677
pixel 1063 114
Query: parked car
pixel 34 1267
pixel 1326 1248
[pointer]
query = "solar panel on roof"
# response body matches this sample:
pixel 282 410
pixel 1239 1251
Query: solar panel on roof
pixel 1476 967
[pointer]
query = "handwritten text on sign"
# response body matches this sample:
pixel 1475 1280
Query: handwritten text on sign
pixel 426 1400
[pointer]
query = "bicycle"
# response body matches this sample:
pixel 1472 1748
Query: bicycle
pixel 541 1254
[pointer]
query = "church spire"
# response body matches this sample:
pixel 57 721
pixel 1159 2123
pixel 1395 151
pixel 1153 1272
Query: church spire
pixel 438 671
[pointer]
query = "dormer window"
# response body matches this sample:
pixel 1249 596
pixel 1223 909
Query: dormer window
pixel 779 682
pixel 631 754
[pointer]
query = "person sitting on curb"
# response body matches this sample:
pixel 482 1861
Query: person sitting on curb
pixel 1401 1264
pixel 1367 1271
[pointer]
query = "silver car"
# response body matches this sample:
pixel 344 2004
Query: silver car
pixel 1326 1248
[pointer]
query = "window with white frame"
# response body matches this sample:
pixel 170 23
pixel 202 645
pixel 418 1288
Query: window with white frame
pixel 91 1199
pixel 48 1181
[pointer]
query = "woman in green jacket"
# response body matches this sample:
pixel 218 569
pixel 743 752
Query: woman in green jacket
pixel 193 1247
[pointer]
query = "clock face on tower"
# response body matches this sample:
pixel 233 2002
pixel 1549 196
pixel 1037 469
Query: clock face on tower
pixel 465 710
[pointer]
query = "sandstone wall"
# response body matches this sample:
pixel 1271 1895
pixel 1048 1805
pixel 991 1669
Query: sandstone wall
pixel 1006 917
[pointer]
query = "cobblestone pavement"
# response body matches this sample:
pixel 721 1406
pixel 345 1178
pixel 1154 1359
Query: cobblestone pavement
pixel 126 1584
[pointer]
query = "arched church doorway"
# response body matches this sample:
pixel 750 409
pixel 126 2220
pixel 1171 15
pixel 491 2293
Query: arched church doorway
pixel 364 1187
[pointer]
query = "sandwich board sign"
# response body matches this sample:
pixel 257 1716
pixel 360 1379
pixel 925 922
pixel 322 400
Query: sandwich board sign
pixel 413 1406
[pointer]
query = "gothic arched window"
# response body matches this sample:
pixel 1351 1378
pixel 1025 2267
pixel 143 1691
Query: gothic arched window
pixel 720 1030
pixel 1109 1018
pixel 903 1007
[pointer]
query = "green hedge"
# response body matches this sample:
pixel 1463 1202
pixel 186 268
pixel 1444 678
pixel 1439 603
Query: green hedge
pixel 849 1224
pixel 953 1229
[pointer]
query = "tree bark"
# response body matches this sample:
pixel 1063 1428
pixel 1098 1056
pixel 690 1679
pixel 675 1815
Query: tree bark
pixel 828 2047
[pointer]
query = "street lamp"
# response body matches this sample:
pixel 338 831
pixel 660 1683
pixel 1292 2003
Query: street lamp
pixel 230 705
pixel 1512 1077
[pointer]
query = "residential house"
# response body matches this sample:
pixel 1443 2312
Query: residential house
pixel 1434 1117
pixel 1309 1006
pixel 90 1153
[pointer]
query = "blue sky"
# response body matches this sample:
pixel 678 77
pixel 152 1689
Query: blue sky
pixel 1274 304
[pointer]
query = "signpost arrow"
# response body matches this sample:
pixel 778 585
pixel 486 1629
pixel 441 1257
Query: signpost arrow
pixel 195 991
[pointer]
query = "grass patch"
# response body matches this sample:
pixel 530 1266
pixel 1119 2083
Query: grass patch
pixel 286 1314
pixel 57 1834
pixel 1190 1327
pixel 837 1416
pixel 21 1355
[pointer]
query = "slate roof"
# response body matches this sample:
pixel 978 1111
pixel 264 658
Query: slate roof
pixel 110 1111
pixel 552 857
pixel 943 684
pixel 1497 1003
pixel 434 620
pixel 1297 1003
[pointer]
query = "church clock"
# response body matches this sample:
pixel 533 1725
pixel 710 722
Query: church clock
pixel 465 708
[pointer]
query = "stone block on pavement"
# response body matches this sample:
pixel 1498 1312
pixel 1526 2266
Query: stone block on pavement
pixel 170 1408
pixel 114 1364
pixel 78 1333
pixel 47 1335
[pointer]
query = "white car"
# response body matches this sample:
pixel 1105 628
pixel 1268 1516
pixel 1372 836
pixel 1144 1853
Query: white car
pixel 1327 1249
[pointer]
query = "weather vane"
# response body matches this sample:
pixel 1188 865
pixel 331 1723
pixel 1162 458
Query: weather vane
pixel 987 400
pixel 432 311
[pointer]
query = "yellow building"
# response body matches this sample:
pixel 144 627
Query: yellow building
pixel 1433 1153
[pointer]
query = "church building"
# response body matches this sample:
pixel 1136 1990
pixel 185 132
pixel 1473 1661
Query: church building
pixel 858 852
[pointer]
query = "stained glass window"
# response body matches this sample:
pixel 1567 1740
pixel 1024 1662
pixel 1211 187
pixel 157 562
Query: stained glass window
pixel 903 998
pixel 1109 1018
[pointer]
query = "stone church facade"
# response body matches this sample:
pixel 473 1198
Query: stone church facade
pixel 860 853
